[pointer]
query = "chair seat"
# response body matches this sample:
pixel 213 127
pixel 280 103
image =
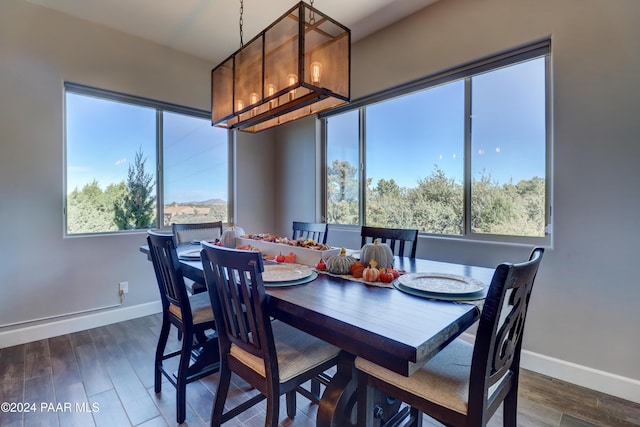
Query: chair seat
pixel 443 380
pixel 200 308
pixel 297 352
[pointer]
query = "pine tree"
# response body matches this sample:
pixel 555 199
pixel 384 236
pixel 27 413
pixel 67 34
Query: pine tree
pixel 137 209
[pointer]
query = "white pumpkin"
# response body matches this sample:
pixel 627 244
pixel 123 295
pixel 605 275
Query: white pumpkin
pixel 378 252
pixel 229 235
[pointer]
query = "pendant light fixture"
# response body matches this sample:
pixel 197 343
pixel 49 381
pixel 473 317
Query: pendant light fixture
pixel 299 65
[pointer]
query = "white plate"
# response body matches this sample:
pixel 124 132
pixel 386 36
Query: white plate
pixel 284 272
pixel 190 254
pixel 308 279
pixel 441 283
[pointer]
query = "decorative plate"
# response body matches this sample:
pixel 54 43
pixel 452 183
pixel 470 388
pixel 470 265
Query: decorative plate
pixel 441 283
pixel 190 254
pixel 307 279
pixel 284 272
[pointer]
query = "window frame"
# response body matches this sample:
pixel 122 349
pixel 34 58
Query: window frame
pixel 160 107
pixel 537 49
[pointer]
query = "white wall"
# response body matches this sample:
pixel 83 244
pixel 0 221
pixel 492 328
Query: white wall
pixel 584 315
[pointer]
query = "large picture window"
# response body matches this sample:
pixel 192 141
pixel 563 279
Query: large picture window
pixel 133 163
pixel 463 153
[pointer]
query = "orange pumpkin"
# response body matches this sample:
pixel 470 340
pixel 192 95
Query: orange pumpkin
pixel 386 275
pixel 356 269
pixel 371 273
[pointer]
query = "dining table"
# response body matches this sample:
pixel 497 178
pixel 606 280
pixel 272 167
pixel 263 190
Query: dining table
pixel 397 330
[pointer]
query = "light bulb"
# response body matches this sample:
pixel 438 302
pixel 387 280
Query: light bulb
pixel 271 90
pixel 316 72
pixel 239 105
pixel 292 79
pixel 253 98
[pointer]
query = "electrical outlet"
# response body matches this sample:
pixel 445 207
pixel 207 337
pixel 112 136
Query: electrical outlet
pixel 124 288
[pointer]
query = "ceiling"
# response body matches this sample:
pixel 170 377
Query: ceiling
pixel 210 28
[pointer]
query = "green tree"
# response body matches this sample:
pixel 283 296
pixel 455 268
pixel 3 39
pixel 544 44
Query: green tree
pixel 342 193
pixel 89 210
pixel 136 209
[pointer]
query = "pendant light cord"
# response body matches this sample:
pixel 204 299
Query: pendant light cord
pixel 242 22
pixel 312 15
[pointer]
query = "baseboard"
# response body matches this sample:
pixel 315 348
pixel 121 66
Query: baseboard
pixel 76 323
pixel 594 379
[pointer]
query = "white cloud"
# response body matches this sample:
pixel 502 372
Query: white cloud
pixel 121 161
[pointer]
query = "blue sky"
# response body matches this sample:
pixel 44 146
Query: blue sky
pixel 103 138
pixel 508 129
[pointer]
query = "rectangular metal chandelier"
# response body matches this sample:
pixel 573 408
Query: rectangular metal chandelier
pixel 299 65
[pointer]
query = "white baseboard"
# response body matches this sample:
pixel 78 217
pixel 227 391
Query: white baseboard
pixel 76 323
pixel 594 379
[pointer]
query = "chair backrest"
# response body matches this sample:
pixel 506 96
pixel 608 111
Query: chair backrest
pixel 166 265
pixel 234 279
pixel 394 237
pixel 496 355
pixel 310 230
pixel 185 233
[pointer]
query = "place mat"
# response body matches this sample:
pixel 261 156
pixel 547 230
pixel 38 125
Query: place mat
pixel 313 276
pixel 357 279
pixel 192 254
pixel 442 284
pixel 285 272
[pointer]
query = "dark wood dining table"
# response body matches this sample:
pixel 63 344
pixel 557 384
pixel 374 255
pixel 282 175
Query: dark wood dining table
pixel 391 328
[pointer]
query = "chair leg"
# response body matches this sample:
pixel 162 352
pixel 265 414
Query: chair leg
pixel 510 407
pixel 273 409
pixel 221 395
pixel 183 373
pixel 315 388
pixel 291 404
pixel 365 405
pixel 162 344
pixel 415 418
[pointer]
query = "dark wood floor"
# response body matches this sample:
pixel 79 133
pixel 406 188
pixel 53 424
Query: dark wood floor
pixel 104 377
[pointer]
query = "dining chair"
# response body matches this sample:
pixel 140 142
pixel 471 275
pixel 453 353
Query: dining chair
pixel 396 238
pixel 464 384
pixel 273 357
pixel 191 315
pixel 187 233
pixel 310 230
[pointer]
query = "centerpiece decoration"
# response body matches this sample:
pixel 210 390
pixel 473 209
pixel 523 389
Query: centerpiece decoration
pixel 229 236
pixel 378 252
pixel 339 264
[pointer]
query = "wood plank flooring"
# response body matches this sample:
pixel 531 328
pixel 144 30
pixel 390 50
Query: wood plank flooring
pixel 104 377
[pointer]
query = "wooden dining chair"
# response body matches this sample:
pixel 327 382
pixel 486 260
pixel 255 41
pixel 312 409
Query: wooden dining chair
pixel 196 232
pixel 396 238
pixel 465 383
pixel 191 315
pixel 185 233
pixel 310 230
pixel 272 356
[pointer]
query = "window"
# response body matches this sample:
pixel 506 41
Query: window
pixel 462 153
pixel 130 161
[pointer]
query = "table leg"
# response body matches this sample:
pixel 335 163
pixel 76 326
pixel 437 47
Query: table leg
pixel 339 404
pixel 337 407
